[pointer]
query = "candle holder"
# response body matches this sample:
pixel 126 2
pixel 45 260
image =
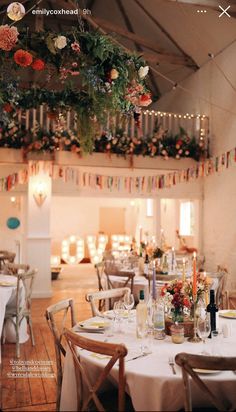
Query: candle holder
pixel 194 338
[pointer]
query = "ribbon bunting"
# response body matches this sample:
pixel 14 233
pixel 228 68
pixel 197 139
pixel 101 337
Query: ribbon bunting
pixel 130 184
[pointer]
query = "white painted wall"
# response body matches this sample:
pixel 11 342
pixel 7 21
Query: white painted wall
pixel 219 224
pixel 80 216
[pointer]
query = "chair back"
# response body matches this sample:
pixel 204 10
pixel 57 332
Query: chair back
pixel 15 268
pixel 87 391
pixel 111 270
pixel 27 279
pixel 100 275
pixel 56 316
pixel 105 295
pixel 220 293
pixel 6 257
pixel 189 363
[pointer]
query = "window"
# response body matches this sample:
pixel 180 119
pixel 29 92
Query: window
pixel 186 218
pixel 149 208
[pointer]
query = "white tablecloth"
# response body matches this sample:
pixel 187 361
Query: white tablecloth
pixel 8 299
pixel 150 381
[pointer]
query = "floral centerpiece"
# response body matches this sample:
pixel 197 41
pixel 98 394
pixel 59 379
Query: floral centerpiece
pixel 178 296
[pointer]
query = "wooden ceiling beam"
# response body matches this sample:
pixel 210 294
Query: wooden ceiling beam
pixel 164 31
pixel 170 57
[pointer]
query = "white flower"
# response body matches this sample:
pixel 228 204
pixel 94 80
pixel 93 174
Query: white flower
pixel 60 42
pixel 143 71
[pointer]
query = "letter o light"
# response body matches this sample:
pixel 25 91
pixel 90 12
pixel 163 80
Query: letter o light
pixel 65 249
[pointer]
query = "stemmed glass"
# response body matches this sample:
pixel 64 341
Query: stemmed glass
pixel 129 303
pixel 204 329
pixel 118 309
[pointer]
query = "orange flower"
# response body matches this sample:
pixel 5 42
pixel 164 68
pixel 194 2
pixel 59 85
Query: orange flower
pixel 38 64
pixel 145 99
pixel 7 108
pixel 23 58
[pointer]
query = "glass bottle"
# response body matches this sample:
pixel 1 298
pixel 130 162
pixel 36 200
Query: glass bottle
pixel 159 318
pixel 141 316
pixel 212 309
pixel 146 265
pixel 165 266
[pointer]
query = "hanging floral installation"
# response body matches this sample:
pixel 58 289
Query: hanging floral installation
pixel 81 71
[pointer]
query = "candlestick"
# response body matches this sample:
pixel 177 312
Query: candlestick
pixel 183 274
pixel 172 258
pixel 194 276
pixel 154 292
pixel 194 338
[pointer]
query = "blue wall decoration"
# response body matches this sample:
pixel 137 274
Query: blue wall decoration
pixel 13 223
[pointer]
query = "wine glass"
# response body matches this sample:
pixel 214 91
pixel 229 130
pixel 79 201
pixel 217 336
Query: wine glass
pixel 118 309
pixel 204 329
pixel 129 303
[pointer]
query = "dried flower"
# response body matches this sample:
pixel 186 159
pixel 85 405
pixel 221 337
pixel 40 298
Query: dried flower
pixel 23 58
pixel 8 37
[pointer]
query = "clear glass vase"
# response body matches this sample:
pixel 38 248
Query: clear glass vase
pixel 177 315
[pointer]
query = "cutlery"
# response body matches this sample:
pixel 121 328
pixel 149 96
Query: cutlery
pixel 172 365
pixel 90 331
pixel 139 356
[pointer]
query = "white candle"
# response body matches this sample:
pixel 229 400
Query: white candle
pixel 140 233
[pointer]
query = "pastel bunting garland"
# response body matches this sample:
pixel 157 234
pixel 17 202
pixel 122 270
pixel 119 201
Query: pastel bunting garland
pixel 129 184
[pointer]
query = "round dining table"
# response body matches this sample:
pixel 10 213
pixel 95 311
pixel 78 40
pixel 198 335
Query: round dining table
pixel 150 380
pixel 8 300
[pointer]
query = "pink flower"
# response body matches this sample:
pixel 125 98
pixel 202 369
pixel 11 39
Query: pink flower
pixel 76 47
pixel 8 37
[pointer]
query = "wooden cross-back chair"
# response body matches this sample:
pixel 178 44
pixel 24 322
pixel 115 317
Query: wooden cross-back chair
pixel 87 391
pixel 221 299
pixel 108 296
pixel 22 308
pixel 14 268
pixel 56 316
pixel 6 257
pixel 189 363
pixel 102 282
pixel 127 277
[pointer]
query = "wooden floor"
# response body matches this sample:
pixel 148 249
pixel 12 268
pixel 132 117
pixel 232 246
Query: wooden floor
pixel 39 393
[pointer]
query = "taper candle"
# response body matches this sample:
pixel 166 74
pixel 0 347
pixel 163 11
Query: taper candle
pixel 194 276
pixel 154 292
pixel 183 273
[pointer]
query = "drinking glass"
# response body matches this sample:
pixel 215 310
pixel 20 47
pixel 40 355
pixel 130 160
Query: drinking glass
pixel 129 303
pixel 142 333
pixel 118 309
pixel 204 329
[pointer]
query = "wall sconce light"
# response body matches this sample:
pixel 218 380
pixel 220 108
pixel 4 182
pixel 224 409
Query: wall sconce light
pixel 40 193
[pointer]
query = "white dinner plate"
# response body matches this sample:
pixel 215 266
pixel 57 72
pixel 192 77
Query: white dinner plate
pixel 206 371
pixel 227 313
pixel 93 325
pixel 110 314
pixel 7 283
